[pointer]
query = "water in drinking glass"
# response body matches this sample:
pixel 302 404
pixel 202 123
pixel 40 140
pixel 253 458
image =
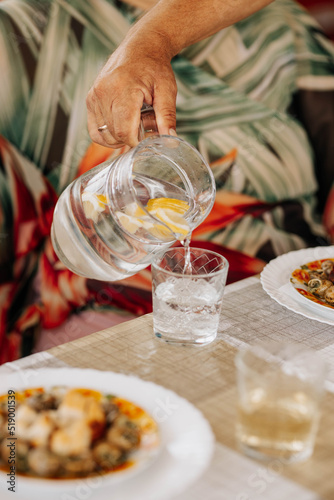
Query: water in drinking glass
pixel 188 285
pixel 187 310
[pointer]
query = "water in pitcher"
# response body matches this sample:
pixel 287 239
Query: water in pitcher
pixel 135 231
pixel 111 222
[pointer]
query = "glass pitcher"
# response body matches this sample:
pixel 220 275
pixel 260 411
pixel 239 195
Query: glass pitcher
pixel 110 222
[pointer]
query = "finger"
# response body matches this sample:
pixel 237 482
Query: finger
pixel 165 105
pixel 92 129
pixel 92 124
pixel 126 117
pixel 97 136
pixel 110 144
pixel 106 133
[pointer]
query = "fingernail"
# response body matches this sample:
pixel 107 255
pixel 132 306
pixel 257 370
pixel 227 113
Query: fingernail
pixel 172 131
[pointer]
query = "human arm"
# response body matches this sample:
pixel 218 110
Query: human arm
pixel 140 69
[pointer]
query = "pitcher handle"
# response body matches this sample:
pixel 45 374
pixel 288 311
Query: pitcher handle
pixel 148 124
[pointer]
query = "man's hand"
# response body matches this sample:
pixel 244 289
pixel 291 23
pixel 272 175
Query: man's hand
pixel 140 70
pixel 129 79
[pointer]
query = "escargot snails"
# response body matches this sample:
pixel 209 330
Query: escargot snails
pixel 329 295
pixel 327 266
pixel 328 269
pixel 318 274
pixel 319 286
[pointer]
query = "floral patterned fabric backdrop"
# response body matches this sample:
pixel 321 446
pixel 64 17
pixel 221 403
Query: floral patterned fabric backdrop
pixel 254 99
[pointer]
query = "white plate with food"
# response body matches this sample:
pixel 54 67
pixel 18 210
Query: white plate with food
pixel 78 433
pixel 276 279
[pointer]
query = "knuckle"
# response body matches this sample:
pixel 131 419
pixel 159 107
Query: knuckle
pixel 121 136
pixel 101 89
pixel 90 100
pixel 169 87
pixel 168 114
pixel 99 92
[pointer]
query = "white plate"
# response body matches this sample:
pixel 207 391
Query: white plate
pixel 187 441
pixel 275 279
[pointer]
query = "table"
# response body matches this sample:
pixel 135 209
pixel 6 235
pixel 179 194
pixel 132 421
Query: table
pixel 206 377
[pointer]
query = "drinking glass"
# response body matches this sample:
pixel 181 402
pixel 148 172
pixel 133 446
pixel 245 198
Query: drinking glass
pixel 280 387
pixel 188 288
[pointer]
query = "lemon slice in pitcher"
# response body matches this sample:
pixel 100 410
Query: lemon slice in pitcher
pixel 93 204
pixel 177 206
pixel 171 212
pixel 134 218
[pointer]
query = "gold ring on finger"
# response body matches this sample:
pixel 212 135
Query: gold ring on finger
pixel 102 128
